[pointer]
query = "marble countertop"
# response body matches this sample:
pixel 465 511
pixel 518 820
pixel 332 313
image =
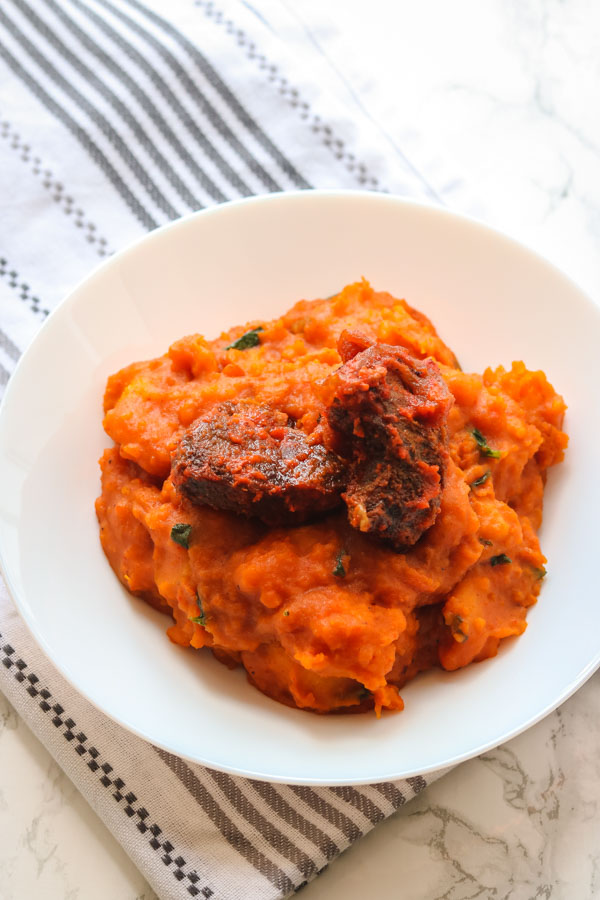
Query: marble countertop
pixel 493 103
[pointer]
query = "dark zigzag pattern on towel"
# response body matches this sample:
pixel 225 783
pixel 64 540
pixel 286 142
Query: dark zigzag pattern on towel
pixel 127 800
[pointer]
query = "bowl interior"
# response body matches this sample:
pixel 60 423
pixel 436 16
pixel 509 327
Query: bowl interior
pixel 491 300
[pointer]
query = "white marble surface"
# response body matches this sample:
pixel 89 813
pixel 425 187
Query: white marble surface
pixel 495 104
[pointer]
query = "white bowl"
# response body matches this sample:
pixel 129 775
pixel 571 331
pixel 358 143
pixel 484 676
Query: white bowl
pixel 492 301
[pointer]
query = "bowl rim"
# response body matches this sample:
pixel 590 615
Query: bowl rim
pixel 311 196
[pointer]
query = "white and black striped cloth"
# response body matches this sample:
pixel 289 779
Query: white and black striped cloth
pixel 116 117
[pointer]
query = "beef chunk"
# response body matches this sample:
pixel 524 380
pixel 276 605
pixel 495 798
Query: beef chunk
pixel 251 460
pixel 385 449
pixel 387 414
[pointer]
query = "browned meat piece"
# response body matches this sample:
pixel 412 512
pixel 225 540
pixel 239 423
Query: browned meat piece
pixel 251 460
pixel 387 413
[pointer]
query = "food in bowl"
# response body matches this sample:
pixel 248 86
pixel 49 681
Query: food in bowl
pixel 327 499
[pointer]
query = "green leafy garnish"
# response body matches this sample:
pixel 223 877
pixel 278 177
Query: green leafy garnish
pixel 483 445
pixel 339 570
pixel 539 572
pixel 180 533
pixel 500 560
pixel 247 340
pixel 286 612
pixel 363 693
pixel 201 619
pixel 481 480
pixel 485 542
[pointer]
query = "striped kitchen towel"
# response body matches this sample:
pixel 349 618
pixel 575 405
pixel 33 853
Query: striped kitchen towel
pixel 116 117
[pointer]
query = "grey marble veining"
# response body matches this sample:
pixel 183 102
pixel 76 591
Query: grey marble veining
pixel 520 822
pixel 492 102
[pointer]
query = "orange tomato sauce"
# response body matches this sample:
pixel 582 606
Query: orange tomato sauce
pixel 274 600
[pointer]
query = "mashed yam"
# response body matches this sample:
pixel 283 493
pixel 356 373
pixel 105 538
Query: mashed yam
pixel 321 616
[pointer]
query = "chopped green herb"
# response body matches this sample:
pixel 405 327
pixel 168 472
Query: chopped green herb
pixel 500 560
pixel 180 533
pixel 247 340
pixel 539 572
pixel 286 612
pixel 483 445
pixel 339 570
pixel 363 693
pixel 485 542
pixel 201 619
pixel 481 480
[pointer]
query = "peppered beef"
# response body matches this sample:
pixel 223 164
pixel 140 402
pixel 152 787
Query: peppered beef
pixel 250 459
pixel 385 449
pixel 387 414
